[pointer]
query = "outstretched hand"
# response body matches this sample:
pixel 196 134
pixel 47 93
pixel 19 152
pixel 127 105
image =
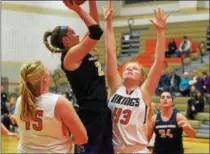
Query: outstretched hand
pixel 71 4
pixel 108 10
pixel 159 21
pixel 10 134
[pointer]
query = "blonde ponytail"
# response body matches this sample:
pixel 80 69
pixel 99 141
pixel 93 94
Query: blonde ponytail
pixel 31 77
pixel 28 106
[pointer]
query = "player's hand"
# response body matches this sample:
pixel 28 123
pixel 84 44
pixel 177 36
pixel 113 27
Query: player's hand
pixel 71 5
pixel 108 10
pixel 159 21
pixel 10 134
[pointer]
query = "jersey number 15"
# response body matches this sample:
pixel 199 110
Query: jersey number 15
pixel 38 125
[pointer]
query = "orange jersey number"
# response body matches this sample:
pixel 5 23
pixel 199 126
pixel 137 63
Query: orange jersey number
pixel 125 113
pixel 38 119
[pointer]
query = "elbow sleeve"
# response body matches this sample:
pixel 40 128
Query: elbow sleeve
pixel 95 32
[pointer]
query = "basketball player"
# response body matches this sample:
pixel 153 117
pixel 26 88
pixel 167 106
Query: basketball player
pixel 6 132
pixel 86 78
pixel 130 95
pixel 168 126
pixel 43 118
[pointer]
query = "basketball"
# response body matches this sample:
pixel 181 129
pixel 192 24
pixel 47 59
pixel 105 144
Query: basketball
pixel 79 2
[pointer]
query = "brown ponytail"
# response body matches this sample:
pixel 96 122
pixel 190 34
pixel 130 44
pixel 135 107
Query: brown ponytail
pixel 50 47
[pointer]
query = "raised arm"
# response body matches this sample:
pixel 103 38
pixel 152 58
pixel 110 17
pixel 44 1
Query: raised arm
pixel 75 54
pixel 185 124
pixel 94 14
pixel 148 87
pixel 113 77
pixel 65 113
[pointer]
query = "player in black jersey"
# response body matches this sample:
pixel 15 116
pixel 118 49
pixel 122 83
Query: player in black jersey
pixel 86 77
pixel 168 126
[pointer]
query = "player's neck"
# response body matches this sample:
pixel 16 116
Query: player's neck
pixel 130 89
pixel 43 92
pixel 166 112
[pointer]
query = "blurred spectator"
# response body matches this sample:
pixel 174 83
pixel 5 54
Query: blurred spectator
pixel 184 85
pixel 205 86
pixel 65 94
pixel 193 91
pixel 6 118
pixel 171 48
pixel 196 80
pixel 195 105
pixel 207 98
pixel 12 102
pixel 206 83
pixel 174 81
pixel 185 48
pixel 4 109
pixel 71 97
pixel 3 95
pixel 163 84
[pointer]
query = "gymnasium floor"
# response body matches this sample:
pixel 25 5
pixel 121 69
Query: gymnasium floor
pixel 9 145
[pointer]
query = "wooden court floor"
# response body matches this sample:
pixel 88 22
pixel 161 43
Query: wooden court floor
pixel 9 145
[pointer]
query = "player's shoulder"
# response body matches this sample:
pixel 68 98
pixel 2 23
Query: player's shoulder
pixel 51 97
pixel 54 94
pixel 179 116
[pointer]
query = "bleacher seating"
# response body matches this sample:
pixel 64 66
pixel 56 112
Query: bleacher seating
pixel 195 30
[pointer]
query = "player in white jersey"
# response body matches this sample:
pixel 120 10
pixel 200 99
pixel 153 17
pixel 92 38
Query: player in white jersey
pixel 44 118
pixel 131 94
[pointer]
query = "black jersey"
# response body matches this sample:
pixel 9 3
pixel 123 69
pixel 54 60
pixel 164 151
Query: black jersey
pixel 88 83
pixel 168 136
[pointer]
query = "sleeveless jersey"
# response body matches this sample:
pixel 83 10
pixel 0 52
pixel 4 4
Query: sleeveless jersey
pixel 88 83
pixel 168 135
pixel 45 133
pixel 129 120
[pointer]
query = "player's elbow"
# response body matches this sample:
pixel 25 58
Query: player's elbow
pixel 82 139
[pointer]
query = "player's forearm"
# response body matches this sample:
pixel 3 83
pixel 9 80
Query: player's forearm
pixel 94 10
pixel 93 14
pixel 4 130
pixel 149 132
pixel 110 42
pixel 160 46
pixel 88 20
pixel 190 131
pixel 111 57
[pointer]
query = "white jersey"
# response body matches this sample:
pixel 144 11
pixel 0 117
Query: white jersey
pixel 129 121
pixel 45 133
